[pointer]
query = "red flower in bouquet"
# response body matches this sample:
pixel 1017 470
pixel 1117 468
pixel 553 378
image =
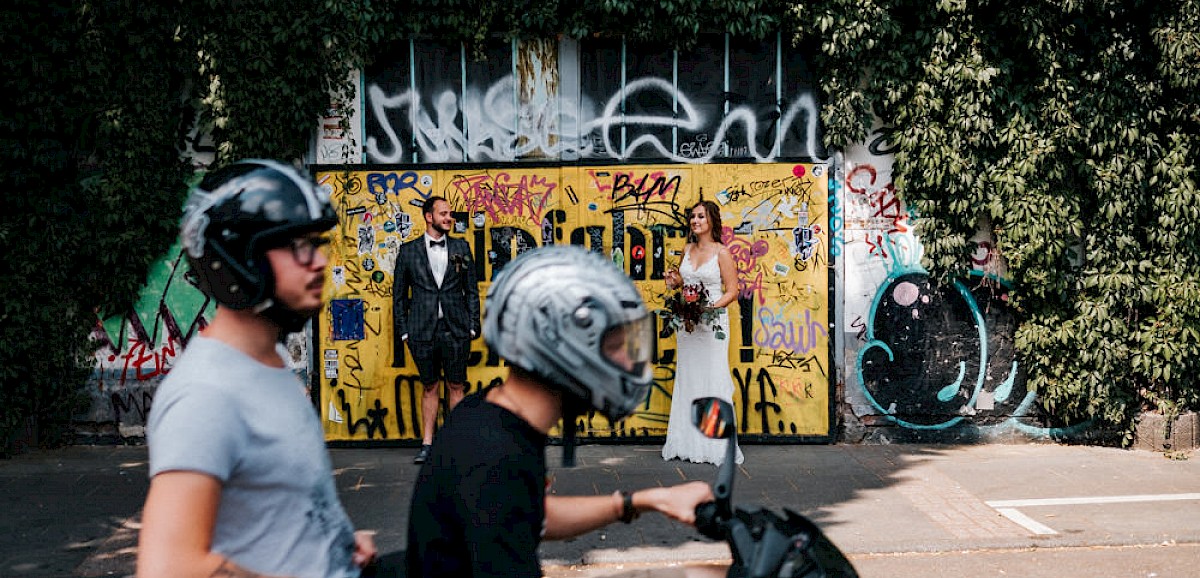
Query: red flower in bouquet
pixel 688 308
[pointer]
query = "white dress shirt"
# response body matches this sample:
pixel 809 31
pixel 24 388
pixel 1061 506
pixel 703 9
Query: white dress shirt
pixel 438 257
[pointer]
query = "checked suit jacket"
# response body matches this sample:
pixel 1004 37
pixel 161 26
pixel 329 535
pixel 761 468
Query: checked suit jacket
pixel 416 294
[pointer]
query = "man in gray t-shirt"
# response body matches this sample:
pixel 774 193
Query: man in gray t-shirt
pixel 241 482
pixel 250 426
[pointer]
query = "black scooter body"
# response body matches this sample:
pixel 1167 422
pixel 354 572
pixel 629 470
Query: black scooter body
pixel 763 543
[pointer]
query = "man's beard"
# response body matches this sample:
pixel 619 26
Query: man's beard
pixel 289 320
pixel 440 229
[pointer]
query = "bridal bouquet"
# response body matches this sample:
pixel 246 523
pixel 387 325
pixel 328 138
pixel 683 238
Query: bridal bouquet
pixel 688 308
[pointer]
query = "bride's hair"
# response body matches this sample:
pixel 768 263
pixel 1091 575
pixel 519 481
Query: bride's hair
pixel 714 219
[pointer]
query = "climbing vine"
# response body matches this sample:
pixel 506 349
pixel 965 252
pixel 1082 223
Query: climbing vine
pixel 108 95
pixel 1069 128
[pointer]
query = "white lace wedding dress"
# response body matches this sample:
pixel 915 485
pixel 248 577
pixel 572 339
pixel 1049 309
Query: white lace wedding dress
pixel 702 370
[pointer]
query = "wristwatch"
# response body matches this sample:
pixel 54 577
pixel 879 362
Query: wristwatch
pixel 628 512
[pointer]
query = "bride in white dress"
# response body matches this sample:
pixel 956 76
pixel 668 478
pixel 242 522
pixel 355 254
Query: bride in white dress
pixel 702 369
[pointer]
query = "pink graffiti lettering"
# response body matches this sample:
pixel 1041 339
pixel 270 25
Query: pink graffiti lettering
pixel 751 287
pixel 745 259
pixel 525 197
pixel 745 254
pixel 797 387
pixel 775 332
pixel 601 184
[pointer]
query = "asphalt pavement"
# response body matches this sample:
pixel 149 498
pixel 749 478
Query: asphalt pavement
pixel 896 510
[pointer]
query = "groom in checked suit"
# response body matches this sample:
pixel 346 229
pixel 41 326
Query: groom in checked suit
pixel 436 306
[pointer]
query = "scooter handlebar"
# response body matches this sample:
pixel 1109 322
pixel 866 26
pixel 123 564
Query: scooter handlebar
pixel 762 543
pixel 709 522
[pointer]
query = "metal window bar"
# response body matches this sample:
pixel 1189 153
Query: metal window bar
pixel 412 90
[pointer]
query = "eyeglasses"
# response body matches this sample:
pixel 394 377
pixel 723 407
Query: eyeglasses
pixel 304 249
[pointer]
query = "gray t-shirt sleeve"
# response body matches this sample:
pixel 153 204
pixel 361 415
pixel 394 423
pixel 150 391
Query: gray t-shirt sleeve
pixel 193 427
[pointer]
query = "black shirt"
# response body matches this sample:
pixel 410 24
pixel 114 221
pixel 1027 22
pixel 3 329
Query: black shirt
pixel 478 508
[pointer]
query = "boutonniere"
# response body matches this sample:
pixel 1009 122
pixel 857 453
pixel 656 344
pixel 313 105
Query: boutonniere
pixel 459 262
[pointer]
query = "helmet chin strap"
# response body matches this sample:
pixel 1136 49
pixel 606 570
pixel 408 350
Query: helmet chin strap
pixel 288 320
pixel 573 407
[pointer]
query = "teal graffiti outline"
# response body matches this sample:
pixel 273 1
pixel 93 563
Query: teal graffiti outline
pixel 942 394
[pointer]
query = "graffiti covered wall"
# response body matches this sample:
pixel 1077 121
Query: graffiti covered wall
pixel 624 141
pixel 136 350
pixel 591 99
pixel 913 360
pixel 921 361
pixel 775 217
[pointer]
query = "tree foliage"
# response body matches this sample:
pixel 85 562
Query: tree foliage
pixel 106 94
pixel 1072 128
pixel 669 22
pixel 84 183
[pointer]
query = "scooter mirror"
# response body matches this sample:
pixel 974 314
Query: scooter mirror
pixel 713 417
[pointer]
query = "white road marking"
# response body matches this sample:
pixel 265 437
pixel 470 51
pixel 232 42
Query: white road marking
pixel 1025 521
pixel 1008 508
pixel 1091 500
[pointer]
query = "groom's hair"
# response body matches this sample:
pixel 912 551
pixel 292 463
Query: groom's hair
pixel 427 206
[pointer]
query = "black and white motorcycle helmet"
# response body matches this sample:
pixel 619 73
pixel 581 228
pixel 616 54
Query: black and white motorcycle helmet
pixel 575 320
pixel 234 216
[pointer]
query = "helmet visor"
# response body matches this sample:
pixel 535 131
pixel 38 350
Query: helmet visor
pixel 628 347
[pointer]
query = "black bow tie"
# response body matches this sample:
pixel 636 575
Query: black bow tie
pixel 441 243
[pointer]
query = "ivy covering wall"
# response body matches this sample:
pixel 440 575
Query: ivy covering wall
pixel 103 96
pixel 1070 127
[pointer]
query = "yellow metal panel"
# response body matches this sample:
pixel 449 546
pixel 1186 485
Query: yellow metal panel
pixel 775 219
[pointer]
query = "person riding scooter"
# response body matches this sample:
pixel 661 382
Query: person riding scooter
pixel 577 337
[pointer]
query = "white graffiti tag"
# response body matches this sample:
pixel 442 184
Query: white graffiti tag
pixel 489 125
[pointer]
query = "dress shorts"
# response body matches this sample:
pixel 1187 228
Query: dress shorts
pixel 443 356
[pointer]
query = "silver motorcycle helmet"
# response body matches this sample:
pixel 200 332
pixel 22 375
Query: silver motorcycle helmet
pixel 575 320
pixel 234 216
